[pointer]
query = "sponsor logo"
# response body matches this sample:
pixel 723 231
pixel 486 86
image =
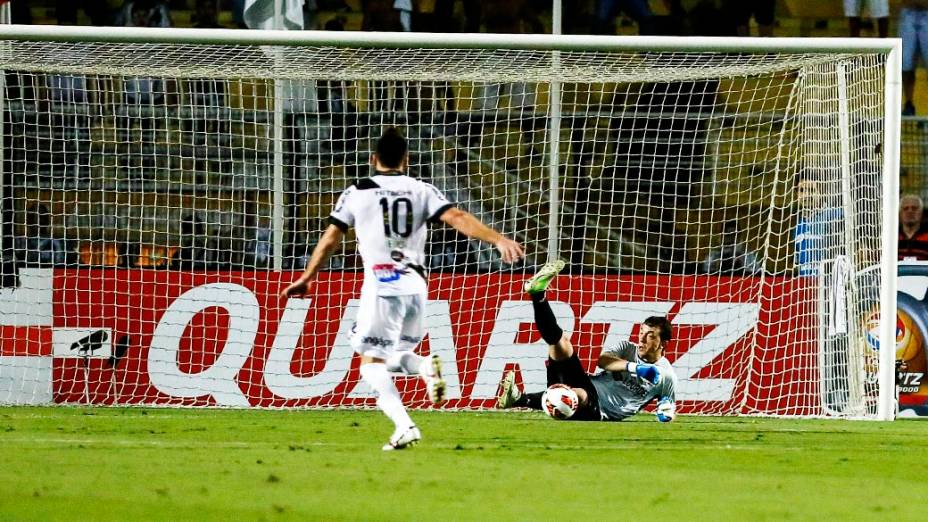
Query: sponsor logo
pixel 376 341
pixel 388 272
pixel 910 382
pixel 392 193
pixel 633 388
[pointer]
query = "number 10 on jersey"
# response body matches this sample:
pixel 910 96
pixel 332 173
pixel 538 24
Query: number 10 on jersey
pixel 393 226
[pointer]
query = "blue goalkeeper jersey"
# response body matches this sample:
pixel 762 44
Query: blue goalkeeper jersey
pixel 623 394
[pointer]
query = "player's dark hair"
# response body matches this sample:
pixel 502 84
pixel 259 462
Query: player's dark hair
pixel 662 325
pixel 391 148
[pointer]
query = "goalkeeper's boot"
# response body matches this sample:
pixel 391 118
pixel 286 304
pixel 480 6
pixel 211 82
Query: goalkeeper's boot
pixel 540 281
pixel 435 383
pixel 403 439
pixel 509 393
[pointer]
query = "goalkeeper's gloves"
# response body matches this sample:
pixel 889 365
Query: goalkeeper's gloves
pixel 648 372
pixel 666 410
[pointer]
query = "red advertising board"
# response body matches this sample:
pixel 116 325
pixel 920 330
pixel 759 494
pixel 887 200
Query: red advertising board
pixel 226 338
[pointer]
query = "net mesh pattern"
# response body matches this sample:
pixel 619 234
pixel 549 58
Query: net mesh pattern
pixel 153 193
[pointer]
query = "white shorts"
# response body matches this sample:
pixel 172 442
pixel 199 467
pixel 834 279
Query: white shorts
pixel 875 8
pixel 388 324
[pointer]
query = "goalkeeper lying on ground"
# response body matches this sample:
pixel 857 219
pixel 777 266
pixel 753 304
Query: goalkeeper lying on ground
pixel 632 376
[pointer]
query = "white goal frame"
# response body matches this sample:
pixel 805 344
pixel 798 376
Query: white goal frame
pixel 891 48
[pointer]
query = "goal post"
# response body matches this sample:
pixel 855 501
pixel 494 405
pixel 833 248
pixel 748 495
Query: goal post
pixel 161 185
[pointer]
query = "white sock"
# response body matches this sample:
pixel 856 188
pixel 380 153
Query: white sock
pixel 407 362
pixel 388 398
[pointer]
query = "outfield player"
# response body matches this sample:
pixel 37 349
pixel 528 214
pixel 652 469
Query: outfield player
pixel 633 375
pixel 389 212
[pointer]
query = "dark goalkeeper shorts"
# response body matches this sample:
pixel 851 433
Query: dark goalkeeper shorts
pixel 570 372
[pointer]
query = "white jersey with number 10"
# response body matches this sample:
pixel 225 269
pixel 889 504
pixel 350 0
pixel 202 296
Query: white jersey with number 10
pixel 389 213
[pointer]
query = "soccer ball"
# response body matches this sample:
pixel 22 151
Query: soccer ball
pixel 559 401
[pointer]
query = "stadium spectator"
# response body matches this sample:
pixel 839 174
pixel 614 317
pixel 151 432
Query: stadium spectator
pixel 331 5
pixel 389 212
pixel 818 232
pixel 224 249
pixel 149 255
pixel 259 246
pixel 335 24
pixel 20 13
pixel 404 8
pixel 204 95
pixel 507 17
pixel 633 375
pixel 38 247
pixel 129 254
pixel 763 12
pixel 206 15
pixel 302 250
pixel 335 101
pixel 238 13
pixel 514 16
pixel 913 29
pixel 665 244
pixel 711 18
pixel 68 88
pixel 101 13
pixel 607 10
pixel 674 22
pixel 732 256
pixel 191 255
pixel 448 251
pixel 144 13
pixel 877 9
pixel 383 15
pixel 913 234
pixel 444 21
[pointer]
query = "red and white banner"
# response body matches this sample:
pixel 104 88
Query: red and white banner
pixel 228 339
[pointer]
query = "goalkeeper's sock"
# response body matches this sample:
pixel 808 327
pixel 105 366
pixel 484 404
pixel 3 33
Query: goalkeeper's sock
pixel 530 400
pixel 407 362
pixel 388 398
pixel 545 320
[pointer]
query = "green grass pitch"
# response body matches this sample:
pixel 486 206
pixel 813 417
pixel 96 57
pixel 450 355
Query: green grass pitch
pixel 197 464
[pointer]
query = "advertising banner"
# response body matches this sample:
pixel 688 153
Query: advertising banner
pixel 911 336
pixel 184 338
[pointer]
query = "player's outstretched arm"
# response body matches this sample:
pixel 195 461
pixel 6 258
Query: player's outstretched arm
pixel 329 241
pixel 613 363
pixel 467 224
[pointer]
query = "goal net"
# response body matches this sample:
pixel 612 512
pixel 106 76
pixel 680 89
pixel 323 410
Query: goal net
pixel 161 188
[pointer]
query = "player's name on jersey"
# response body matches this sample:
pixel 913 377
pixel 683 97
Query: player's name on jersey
pixel 385 192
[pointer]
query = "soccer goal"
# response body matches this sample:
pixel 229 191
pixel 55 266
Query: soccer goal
pixel 160 187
